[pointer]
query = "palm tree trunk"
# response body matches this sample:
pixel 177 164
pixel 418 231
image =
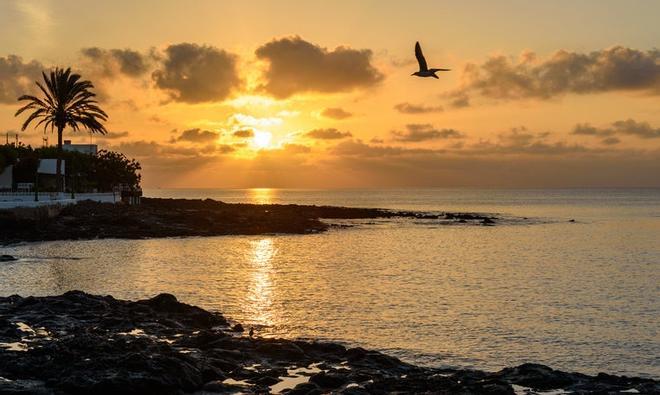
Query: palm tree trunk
pixel 58 171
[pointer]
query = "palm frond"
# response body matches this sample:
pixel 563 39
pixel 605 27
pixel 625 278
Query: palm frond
pixel 68 101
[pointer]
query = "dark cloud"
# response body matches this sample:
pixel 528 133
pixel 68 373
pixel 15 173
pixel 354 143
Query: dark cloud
pixel 628 127
pixel 408 108
pixel 298 66
pixel 610 140
pixel 327 134
pixel 396 167
pixel 153 149
pixel 194 73
pixel 361 149
pixel 425 132
pixel 125 61
pixel 564 72
pixel 522 141
pixel 112 135
pixel 460 100
pixel 244 133
pixel 336 113
pixel 17 78
pixel 197 135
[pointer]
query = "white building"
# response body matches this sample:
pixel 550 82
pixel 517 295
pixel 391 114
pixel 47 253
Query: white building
pixel 90 149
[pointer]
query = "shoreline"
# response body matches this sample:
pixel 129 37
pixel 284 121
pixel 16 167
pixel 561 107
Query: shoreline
pixel 82 343
pixel 157 217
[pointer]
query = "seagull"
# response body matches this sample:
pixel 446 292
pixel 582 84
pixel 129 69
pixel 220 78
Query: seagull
pixel 424 70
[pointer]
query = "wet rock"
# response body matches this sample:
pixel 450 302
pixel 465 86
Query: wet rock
pixel 101 345
pixel 328 380
pixel 536 376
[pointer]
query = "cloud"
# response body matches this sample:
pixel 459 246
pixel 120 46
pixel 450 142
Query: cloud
pixel 425 132
pixel 408 108
pixel 296 148
pixel 628 127
pixel 112 135
pixel 460 100
pixel 17 78
pixel 521 141
pixel 564 72
pixel 244 133
pixel 610 140
pixel 358 148
pixel 336 113
pixel 197 135
pixel 194 73
pixel 249 120
pixel 114 61
pixel 161 151
pixel 297 66
pixel 327 134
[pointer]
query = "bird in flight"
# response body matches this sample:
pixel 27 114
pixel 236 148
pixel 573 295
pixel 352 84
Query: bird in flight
pixel 424 70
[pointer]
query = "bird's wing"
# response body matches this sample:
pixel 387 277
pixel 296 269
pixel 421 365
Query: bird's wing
pixel 439 69
pixel 420 57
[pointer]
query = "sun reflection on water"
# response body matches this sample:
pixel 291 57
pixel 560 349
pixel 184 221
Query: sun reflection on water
pixel 261 195
pixel 260 296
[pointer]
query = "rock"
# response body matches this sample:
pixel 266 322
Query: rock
pixel 536 376
pixel 328 380
pixel 305 389
pixel 238 328
pixel 267 381
pixel 101 345
pixel 7 258
pixel 287 351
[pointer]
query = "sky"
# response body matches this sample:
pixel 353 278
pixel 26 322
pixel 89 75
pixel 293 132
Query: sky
pixel 315 94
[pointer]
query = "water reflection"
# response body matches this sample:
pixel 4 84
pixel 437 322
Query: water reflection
pixel 260 296
pixel 261 195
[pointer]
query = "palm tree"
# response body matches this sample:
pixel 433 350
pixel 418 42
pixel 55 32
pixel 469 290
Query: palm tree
pixel 67 101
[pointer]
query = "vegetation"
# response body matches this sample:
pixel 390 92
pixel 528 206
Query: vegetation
pixel 67 102
pixel 85 173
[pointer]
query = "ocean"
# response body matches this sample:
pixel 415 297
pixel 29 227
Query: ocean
pixel 580 295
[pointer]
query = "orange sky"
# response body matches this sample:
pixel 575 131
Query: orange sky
pixel 318 94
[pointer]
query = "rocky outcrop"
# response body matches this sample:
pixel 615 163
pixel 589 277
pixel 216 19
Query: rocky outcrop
pixel 183 217
pixel 78 343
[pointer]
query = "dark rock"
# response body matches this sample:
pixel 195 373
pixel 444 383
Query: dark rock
pixel 536 376
pixel 328 380
pixel 267 380
pixel 96 348
pixel 238 328
pixel 7 258
pixel 188 217
pixel 285 350
pixel 305 389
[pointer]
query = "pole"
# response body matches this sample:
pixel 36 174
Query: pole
pixel 36 186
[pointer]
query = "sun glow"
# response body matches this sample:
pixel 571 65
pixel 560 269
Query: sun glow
pixel 262 139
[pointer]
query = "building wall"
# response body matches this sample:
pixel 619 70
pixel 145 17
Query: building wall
pixel 6 178
pixel 13 200
pixel 90 149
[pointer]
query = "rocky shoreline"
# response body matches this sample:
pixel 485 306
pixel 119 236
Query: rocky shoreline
pixel 194 217
pixel 78 343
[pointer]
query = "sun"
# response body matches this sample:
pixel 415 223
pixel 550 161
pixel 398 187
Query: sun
pixel 262 139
